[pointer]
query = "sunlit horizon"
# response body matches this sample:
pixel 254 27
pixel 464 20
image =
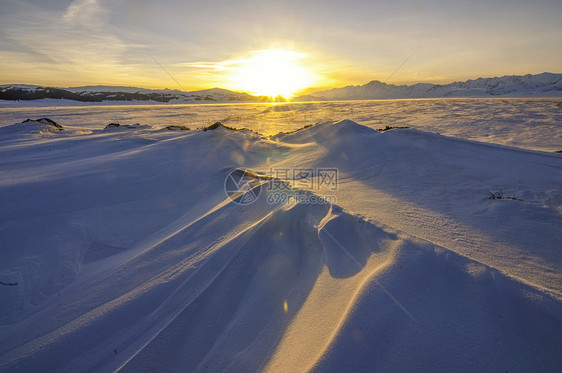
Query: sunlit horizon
pixel 70 43
pixel 271 72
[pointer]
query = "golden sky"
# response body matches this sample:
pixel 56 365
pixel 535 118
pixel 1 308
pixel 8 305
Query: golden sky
pixel 206 44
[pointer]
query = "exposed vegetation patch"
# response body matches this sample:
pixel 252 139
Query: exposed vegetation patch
pixel 216 125
pixel 118 125
pixel 501 195
pixel 178 128
pixel 387 128
pixel 46 121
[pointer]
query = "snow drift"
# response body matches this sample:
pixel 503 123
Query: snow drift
pixel 128 255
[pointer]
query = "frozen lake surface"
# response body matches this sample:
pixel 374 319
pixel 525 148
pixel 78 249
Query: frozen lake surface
pixel 520 122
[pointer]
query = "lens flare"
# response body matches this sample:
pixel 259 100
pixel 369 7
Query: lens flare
pixel 272 72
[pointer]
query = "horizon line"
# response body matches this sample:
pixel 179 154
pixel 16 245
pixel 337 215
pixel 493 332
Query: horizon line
pixel 241 91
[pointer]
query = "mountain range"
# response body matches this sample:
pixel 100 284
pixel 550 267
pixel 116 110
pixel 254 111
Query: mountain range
pixel 117 93
pixel 538 85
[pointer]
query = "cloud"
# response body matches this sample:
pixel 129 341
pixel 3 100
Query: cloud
pixel 85 12
pixel 62 45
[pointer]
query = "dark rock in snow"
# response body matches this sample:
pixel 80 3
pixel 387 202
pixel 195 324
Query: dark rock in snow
pixel 46 122
pixel 178 128
pixel 216 125
pixel 130 126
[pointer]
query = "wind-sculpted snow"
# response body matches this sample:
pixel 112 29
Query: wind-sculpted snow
pixel 124 252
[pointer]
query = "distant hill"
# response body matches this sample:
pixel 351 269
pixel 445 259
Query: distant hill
pixel 116 93
pixel 539 85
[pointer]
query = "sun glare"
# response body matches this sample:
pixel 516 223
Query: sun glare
pixel 271 72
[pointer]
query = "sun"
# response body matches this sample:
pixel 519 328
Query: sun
pixel 271 72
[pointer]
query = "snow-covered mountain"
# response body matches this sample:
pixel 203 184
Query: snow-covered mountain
pixel 118 93
pixel 539 85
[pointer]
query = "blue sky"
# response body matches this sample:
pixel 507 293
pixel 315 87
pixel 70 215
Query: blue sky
pixel 86 42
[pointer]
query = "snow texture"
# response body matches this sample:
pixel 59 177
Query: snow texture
pixel 119 250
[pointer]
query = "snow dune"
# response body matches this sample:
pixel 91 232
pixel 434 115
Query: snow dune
pixel 122 251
